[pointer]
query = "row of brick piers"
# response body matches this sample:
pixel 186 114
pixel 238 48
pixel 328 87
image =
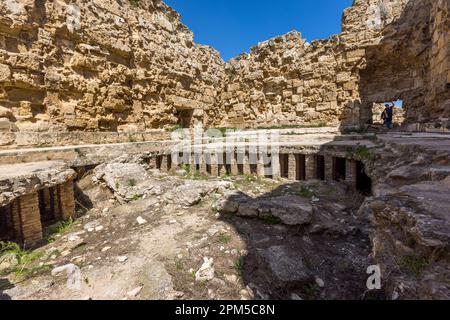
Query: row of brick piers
pixel 292 166
pixel 24 219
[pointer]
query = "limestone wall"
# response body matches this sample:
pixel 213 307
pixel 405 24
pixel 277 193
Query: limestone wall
pixel 109 65
pixel 287 81
pixel 439 86
pixel 100 65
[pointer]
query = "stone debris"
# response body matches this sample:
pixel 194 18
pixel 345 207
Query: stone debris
pixel 320 282
pixel 296 297
pixel 68 268
pixel 285 265
pixel 291 210
pixel 206 271
pixel 122 258
pixel 135 292
pixel 141 220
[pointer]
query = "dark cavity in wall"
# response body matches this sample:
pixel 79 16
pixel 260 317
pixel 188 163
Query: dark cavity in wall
pixel 284 165
pixel 169 162
pixel 48 206
pixel 363 181
pixel 158 162
pixel 301 167
pixel 339 169
pixel 6 224
pixel 184 118
pixel 240 163
pixel 227 163
pixel 253 159
pixel 320 167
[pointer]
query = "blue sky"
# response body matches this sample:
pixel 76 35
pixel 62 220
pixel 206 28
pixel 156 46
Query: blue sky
pixel 234 26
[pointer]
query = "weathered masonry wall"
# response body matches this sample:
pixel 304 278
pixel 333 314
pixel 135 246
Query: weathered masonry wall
pixel 105 65
pixel 439 85
pixel 287 81
pixel 388 50
pixel 101 65
pixel 27 139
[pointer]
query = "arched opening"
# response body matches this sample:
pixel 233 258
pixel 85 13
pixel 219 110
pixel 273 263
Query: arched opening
pixel 184 117
pixel 6 223
pixel 398 112
pixel 284 165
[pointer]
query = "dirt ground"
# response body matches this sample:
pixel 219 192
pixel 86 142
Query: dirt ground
pixel 152 246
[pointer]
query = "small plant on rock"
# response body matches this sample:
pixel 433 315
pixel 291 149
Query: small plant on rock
pixel 134 3
pixel 174 128
pixel 306 193
pixel 186 167
pixel 224 238
pixel 271 220
pixel 132 183
pixel 361 153
pixel 25 260
pixel 179 265
pixel 413 265
pixel 311 291
pixel 59 229
pixel 240 265
pixel 136 197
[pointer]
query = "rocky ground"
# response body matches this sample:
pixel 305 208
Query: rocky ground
pixel 143 234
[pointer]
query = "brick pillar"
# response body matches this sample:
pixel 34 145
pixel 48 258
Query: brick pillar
pixel 329 165
pixel 54 192
pixel 192 163
pixel 214 165
pixel 223 166
pixel 203 159
pixel 16 223
pixel 276 172
pixel 350 173
pixel 164 166
pixel 66 200
pixel 152 162
pixel 247 169
pixel 177 161
pixel 260 166
pixel 234 164
pixel 30 219
pixel 292 167
pixel 310 166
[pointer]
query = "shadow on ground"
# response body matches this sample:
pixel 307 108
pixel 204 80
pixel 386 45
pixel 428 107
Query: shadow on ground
pixel 304 241
pixel 5 285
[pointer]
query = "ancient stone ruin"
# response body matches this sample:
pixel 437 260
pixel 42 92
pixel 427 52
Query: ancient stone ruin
pixel 127 149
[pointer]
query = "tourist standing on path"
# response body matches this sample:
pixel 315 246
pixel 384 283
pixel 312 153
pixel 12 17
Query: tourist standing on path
pixel 388 116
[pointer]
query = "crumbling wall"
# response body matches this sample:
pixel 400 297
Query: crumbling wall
pixel 100 65
pixel 398 112
pixel 410 61
pixel 118 67
pixel 438 96
pixel 288 81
